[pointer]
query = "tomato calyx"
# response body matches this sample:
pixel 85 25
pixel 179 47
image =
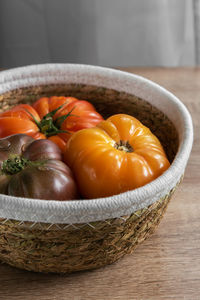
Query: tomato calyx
pixel 13 165
pixel 123 146
pixel 16 163
pixel 48 126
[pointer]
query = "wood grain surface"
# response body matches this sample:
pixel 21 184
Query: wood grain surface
pixel 167 265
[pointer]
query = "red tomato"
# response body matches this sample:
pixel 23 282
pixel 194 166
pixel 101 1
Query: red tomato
pixel 55 118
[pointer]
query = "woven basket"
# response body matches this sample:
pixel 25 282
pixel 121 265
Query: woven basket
pixel 50 236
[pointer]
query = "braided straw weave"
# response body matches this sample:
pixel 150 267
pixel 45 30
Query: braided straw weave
pixel 73 247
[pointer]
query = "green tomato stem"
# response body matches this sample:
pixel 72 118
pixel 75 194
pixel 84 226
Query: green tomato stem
pixel 48 126
pixel 13 165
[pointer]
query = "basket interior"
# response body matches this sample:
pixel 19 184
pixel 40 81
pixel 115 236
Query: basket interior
pixel 107 103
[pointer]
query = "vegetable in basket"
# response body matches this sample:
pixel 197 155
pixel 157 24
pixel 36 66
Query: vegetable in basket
pixel 54 118
pixel 117 155
pixel 33 169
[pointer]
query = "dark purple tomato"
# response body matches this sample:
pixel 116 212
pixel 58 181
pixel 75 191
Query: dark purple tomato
pixel 34 169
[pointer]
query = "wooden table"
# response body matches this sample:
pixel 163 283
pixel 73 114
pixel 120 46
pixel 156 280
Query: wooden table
pixel 167 265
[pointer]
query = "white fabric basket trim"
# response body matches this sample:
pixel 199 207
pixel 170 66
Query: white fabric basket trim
pixel 104 208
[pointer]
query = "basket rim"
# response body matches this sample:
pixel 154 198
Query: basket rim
pixel 78 211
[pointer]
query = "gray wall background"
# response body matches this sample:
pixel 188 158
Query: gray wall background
pixel 101 32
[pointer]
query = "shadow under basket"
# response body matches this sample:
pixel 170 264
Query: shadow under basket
pixel 64 248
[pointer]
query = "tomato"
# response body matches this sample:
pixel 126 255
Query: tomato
pixel 117 155
pixel 55 118
pixel 33 169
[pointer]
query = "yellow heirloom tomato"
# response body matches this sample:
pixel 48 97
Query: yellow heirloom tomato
pixel 117 155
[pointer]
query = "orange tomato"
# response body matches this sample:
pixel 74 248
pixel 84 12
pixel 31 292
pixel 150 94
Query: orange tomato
pixel 55 118
pixel 118 155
